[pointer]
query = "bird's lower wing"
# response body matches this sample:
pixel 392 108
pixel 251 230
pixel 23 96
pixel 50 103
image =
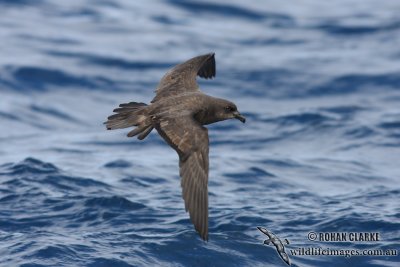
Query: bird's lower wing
pixel 190 140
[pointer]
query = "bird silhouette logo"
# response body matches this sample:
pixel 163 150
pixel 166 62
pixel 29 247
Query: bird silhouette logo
pixel 277 242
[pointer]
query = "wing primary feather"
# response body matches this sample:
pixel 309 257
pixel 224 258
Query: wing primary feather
pixel 190 140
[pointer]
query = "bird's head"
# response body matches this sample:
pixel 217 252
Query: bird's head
pixel 228 110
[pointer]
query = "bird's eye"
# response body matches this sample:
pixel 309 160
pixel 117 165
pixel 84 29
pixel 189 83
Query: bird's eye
pixel 230 109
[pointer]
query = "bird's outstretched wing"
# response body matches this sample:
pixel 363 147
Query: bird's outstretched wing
pixel 182 78
pixel 265 232
pixel 190 140
pixel 285 257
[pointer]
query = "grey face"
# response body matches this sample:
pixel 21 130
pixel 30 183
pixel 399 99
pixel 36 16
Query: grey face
pixel 230 112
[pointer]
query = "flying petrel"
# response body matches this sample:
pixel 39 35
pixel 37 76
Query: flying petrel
pixel 277 242
pixel 178 112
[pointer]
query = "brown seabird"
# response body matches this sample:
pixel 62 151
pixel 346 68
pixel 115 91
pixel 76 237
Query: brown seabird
pixel 178 112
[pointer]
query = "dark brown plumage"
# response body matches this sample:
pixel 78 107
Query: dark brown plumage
pixel 178 112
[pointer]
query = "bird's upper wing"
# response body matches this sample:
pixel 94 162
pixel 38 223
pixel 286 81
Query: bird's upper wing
pixel 266 232
pixel 182 78
pixel 190 140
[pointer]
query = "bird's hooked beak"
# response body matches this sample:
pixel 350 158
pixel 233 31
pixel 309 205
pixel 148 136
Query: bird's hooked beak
pixel 239 116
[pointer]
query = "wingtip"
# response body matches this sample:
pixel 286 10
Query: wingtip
pixel 205 238
pixel 208 55
pixel 262 229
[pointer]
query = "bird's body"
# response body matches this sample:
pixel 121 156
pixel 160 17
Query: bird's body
pixel 178 112
pixel 197 104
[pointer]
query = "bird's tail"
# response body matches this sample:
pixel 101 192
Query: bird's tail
pixel 131 114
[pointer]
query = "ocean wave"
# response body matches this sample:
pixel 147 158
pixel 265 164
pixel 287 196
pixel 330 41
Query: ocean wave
pixel 223 9
pixel 29 165
pixel 111 62
pixel 29 78
pixel 118 164
pixel 112 203
pixel 334 27
pixel 351 83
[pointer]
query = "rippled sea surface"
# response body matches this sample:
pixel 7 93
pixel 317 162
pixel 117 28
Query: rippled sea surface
pixel 319 83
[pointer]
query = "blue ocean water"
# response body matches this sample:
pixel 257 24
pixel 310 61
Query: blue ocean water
pixel 319 83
